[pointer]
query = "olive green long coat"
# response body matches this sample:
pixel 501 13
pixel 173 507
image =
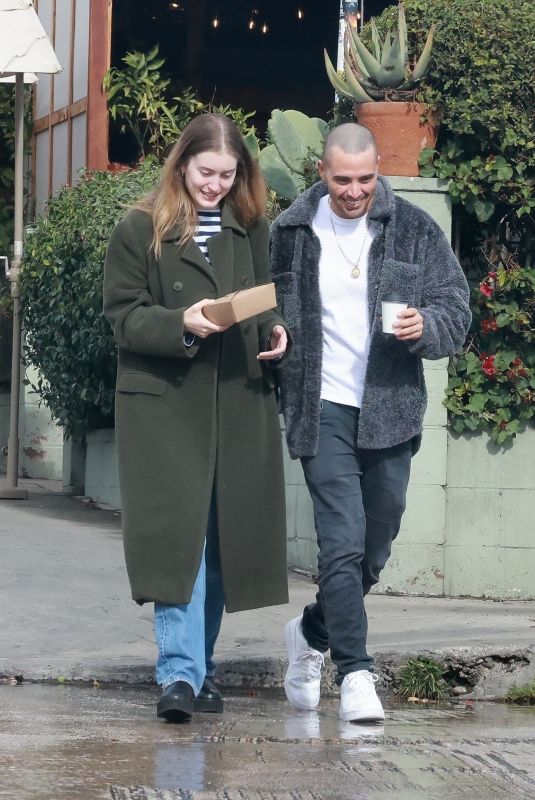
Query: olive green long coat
pixel 189 419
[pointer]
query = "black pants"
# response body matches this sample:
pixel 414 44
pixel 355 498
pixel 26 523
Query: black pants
pixel 358 498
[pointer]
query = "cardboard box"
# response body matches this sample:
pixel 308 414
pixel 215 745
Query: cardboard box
pixel 241 305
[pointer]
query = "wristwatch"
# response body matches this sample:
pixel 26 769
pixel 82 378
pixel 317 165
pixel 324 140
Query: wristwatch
pixel 188 338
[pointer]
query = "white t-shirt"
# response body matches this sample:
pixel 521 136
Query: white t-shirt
pixel 344 302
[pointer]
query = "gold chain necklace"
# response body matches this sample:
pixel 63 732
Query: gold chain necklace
pixel 355 266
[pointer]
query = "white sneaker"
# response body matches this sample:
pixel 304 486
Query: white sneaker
pixel 303 677
pixel 358 698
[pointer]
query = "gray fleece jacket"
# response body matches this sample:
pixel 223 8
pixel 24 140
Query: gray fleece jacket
pixel 409 255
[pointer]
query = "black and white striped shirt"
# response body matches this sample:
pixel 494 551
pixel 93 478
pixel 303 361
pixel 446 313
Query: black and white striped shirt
pixel 209 223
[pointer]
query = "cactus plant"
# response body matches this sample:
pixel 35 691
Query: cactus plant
pixel 296 143
pixel 384 74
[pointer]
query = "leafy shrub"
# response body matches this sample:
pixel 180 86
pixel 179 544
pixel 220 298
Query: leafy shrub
pixel 67 339
pixel 492 383
pixel 481 82
pixel 139 102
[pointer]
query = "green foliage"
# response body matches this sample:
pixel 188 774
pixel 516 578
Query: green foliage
pixel 67 338
pixel 7 161
pixel 492 383
pixel 523 695
pixel 7 158
pixel 481 183
pixel 289 162
pixel 422 678
pixel 138 98
pixel 482 86
pixel 385 73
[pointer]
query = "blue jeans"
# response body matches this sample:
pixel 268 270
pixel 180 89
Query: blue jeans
pixel 186 634
pixel 358 498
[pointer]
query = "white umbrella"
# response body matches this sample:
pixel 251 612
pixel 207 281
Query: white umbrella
pixel 24 49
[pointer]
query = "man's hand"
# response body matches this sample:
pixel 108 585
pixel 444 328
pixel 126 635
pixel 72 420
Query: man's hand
pixel 278 341
pixel 197 323
pixel 409 325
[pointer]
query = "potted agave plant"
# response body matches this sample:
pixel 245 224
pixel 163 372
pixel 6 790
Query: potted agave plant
pixel 383 85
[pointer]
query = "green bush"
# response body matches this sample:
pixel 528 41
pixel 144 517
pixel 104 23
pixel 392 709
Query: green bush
pixel 481 82
pixel 67 338
pixel 140 103
pixel 492 383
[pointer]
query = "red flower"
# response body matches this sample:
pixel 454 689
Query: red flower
pixel 485 289
pixel 488 367
pixel 517 369
pixel 488 325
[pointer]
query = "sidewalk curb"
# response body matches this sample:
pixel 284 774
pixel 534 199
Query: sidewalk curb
pixel 477 673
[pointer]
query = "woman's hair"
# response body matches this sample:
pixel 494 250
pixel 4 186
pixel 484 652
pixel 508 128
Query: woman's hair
pixel 171 204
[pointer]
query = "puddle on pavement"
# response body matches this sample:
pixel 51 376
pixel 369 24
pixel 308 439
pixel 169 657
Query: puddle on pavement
pixel 74 743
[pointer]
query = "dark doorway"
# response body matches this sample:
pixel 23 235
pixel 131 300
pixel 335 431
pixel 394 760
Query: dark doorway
pixel 253 54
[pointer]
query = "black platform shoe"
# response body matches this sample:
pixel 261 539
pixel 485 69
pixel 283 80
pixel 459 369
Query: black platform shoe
pixel 209 698
pixel 176 702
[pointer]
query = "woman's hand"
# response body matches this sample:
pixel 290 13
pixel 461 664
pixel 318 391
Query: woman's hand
pixel 278 341
pixel 197 323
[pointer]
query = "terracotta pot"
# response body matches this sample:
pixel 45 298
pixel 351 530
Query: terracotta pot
pixel 399 134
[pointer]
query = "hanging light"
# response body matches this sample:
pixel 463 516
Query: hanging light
pixel 215 22
pixel 251 24
pixel 264 27
pixel 300 14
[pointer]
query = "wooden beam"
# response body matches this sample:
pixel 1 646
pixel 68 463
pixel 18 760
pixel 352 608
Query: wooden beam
pixel 71 91
pixel 62 114
pixel 51 107
pixel 100 15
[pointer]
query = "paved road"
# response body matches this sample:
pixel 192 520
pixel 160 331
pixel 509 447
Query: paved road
pixel 68 743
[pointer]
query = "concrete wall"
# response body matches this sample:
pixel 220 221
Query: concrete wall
pixel 469 528
pixel 41 441
pixel 101 474
pixel 490 517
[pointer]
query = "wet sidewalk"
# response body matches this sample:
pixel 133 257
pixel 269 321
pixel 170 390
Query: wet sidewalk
pixel 85 743
pixel 66 613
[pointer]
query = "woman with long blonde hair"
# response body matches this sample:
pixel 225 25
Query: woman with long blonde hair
pixel 197 427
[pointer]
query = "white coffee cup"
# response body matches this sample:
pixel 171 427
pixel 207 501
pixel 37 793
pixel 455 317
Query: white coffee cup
pixel 391 305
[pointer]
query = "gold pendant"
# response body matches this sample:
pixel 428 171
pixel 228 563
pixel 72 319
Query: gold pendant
pixel 355 272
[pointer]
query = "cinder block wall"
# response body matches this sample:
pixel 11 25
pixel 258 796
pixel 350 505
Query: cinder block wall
pixel 490 518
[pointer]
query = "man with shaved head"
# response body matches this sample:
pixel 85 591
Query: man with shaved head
pixel 353 396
